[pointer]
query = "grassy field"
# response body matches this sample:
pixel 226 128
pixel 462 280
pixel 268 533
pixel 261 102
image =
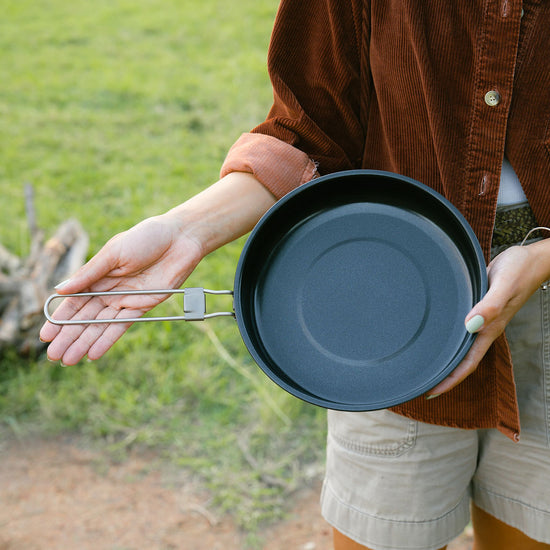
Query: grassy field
pixel 115 111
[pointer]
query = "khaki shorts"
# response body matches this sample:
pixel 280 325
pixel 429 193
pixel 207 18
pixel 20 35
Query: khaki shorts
pixel 394 483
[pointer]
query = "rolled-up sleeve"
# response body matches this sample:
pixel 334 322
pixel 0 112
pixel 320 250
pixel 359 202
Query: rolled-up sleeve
pixel 277 165
pixel 314 126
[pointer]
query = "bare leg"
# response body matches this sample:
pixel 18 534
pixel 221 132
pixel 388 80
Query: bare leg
pixel 493 534
pixel 341 542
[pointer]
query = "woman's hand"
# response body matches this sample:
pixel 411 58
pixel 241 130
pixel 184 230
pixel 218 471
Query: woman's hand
pixel 514 275
pixel 158 253
pixel 153 254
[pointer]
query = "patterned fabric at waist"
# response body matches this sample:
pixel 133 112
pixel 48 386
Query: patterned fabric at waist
pixel 512 223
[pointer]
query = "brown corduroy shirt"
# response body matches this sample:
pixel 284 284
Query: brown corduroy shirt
pixel 437 91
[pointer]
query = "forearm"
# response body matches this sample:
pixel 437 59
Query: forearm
pixel 223 212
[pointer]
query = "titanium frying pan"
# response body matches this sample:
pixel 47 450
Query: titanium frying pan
pixel 351 292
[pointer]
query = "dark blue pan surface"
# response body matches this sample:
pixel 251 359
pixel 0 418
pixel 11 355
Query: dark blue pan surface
pixel 351 291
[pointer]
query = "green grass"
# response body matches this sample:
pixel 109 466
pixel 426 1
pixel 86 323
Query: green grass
pixel 115 111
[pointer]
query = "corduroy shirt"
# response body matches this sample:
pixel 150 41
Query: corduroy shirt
pixel 437 91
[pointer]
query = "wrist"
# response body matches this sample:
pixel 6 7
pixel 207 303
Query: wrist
pixel 223 212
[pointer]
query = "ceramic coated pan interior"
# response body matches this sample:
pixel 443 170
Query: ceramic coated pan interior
pixel 351 292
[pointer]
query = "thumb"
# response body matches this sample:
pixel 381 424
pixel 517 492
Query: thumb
pixel 91 272
pixel 492 308
pixel 485 319
pixel 474 321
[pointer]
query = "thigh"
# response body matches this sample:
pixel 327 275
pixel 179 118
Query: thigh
pixel 392 482
pixel 341 542
pixel 493 534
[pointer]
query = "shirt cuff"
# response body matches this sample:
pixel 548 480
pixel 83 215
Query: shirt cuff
pixel 277 165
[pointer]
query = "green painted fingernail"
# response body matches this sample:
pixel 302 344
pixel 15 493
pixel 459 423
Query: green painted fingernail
pixel 433 396
pixel 475 323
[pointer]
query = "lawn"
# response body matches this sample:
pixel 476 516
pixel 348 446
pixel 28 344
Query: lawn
pixel 115 111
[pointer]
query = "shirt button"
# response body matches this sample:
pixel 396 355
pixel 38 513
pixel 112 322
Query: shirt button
pixel 492 98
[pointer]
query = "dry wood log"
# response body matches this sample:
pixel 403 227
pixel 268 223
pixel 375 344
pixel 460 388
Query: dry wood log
pixel 26 283
pixel 9 263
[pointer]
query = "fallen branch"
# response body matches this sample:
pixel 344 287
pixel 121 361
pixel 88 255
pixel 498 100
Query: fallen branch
pixel 26 283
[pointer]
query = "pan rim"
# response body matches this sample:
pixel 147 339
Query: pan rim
pixel 277 373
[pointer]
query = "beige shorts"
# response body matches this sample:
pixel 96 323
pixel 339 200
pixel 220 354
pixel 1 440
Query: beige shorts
pixel 394 483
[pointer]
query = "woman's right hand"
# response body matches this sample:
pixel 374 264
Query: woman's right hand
pixel 155 254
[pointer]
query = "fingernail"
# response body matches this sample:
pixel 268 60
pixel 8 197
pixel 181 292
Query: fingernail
pixel 62 284
pixel 433 396
pixel 475 323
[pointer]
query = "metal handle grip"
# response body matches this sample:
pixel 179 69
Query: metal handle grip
pixel 194 306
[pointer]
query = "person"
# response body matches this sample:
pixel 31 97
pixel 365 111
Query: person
pixel 455 95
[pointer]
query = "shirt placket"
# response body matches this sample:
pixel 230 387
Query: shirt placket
pixel 494 76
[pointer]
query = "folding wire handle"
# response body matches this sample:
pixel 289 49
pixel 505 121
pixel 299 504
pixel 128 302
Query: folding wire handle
pixel 194 306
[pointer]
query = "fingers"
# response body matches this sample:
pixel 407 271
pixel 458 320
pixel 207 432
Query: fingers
pixel 66 336
pixel 468 365
pixel 98 267
pixel 109 337
pixel 67 309
pixel 487 319
pixel 71 343
pixel 95 340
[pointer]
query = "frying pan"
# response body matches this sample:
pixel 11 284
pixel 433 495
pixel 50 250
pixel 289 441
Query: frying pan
pixel 351 291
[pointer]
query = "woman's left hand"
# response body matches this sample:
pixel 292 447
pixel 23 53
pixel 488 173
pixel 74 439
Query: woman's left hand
pixel 514 275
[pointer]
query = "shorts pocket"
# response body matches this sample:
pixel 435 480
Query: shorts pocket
pixel 529 338
pixel 375 433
